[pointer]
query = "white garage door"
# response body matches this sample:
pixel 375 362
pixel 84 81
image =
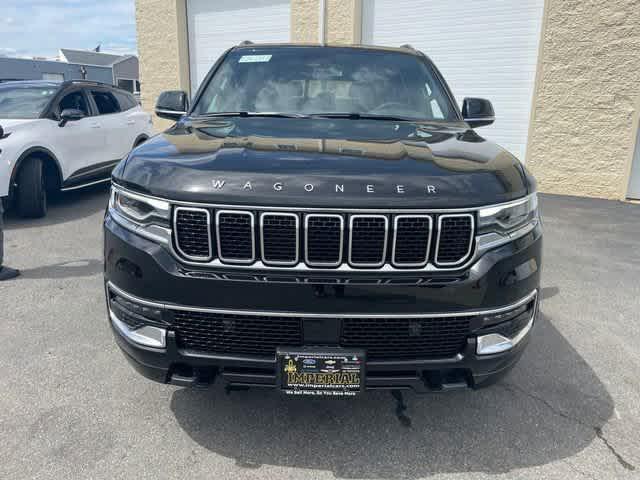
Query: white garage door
pixel 484 48
pixel 215 26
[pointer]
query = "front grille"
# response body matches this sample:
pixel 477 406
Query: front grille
pixel 323 240
pixel 455 234
pixel 236 334
pixel 193 234
pixel 392 338
pixel 279 238
pixel 235 236
pixel 368 240
pixel 403 338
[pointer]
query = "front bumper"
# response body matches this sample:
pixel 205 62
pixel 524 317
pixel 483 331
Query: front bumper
pixel 145 272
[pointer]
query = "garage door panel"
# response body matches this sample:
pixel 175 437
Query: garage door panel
pixel 215 26
pixel 484 48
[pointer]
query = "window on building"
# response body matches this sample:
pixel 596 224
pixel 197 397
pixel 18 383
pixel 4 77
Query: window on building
pixel 131 86
pixel 106 102
pixel 53 77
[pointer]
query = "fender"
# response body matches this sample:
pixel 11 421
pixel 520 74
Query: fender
pixel 28 152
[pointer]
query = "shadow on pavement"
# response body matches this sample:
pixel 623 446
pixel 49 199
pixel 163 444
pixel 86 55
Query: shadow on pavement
pixel 72 269
pixel 64 207
pixel 551 406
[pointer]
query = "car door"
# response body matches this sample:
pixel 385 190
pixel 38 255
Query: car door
pixel 79 143
pixel 113 123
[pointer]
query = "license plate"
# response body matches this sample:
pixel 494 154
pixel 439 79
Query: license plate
pixel 321 372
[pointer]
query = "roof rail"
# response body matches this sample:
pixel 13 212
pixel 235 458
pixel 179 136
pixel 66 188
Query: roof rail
pixel 245 42
pixel 408 47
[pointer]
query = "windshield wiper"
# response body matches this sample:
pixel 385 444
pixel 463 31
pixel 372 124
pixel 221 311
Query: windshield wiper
pixel 364 116
pixel 252 114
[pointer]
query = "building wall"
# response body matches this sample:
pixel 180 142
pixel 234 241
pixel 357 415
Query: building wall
pixel 24 69
pixel 163 50
pixel 342 21
pixel 584 121
pixel 128 68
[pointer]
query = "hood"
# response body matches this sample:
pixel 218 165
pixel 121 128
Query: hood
pixel 9 125
pixel 324 163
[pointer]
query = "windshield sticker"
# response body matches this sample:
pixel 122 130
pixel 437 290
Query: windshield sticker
pixel 254 58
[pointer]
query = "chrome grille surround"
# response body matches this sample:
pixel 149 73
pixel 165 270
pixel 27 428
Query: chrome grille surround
pixel 196 258
pixel 310 262
pixel 471 239
pixel 282 263
pixel 383 256
pixel 227 259
pixel 396 220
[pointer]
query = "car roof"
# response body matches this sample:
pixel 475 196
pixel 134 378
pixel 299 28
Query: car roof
pixel 30 83
pixel 49 83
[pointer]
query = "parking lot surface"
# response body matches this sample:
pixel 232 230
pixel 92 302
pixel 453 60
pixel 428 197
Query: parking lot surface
pixel 71 407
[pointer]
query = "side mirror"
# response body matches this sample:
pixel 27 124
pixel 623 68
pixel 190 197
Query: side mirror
pixel 69 115
pixel 477 112
pixel 172 104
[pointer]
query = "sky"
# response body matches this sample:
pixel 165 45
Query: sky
pixel 40 27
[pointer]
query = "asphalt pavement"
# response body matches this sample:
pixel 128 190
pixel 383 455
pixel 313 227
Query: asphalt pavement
pixel 72 408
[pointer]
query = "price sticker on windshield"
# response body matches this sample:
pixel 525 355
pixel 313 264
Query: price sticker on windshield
pixel 254 58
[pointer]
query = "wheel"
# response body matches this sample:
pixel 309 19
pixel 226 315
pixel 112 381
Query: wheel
pixel 32 192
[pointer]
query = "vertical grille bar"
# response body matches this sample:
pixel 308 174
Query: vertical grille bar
pixel 235 235
pixel 323 239
pixel 192 228
pixel 455 239
pixel 280 238
pixel 411 240
pixel 368 240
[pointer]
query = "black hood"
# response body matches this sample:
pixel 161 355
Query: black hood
pixel 324 163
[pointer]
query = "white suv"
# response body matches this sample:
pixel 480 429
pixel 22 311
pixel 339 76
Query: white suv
pixel 63 136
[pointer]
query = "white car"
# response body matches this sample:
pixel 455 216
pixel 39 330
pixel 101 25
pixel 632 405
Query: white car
pixel 63 136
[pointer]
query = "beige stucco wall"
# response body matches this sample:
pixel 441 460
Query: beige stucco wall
pixel 584 119
pixel 342 21
pixel 163 50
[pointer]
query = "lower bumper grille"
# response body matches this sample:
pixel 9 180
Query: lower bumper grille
pixel 402 338
pixel 382 338
pixel 236 334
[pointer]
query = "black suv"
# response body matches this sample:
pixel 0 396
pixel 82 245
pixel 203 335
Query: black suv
pixel 322 220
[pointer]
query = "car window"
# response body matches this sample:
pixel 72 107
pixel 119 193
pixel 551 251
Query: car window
pixel 311 80
pixel 105 101
pixel 126 100
pixel 75 100
pixel 24 101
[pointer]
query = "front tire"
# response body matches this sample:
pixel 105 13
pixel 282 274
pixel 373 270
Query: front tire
pixel 32 192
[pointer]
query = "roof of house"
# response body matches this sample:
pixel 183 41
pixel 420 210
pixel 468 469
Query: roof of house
pixel 89 57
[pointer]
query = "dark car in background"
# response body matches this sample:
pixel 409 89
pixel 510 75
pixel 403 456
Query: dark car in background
pixel 323 220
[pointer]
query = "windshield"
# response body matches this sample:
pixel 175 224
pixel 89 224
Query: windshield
pixel 24 102
pixel 308 80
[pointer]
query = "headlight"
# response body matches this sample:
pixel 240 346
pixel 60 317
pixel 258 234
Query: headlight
pixel 507 218
pixel 138 208
pixel 146 216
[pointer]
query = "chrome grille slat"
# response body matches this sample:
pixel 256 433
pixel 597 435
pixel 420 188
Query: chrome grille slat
pixel 411 240
pixel 235 235
pixel 368 240
pixel 324 238
pixel 193 233
pixel 280 238
pixel 455 239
